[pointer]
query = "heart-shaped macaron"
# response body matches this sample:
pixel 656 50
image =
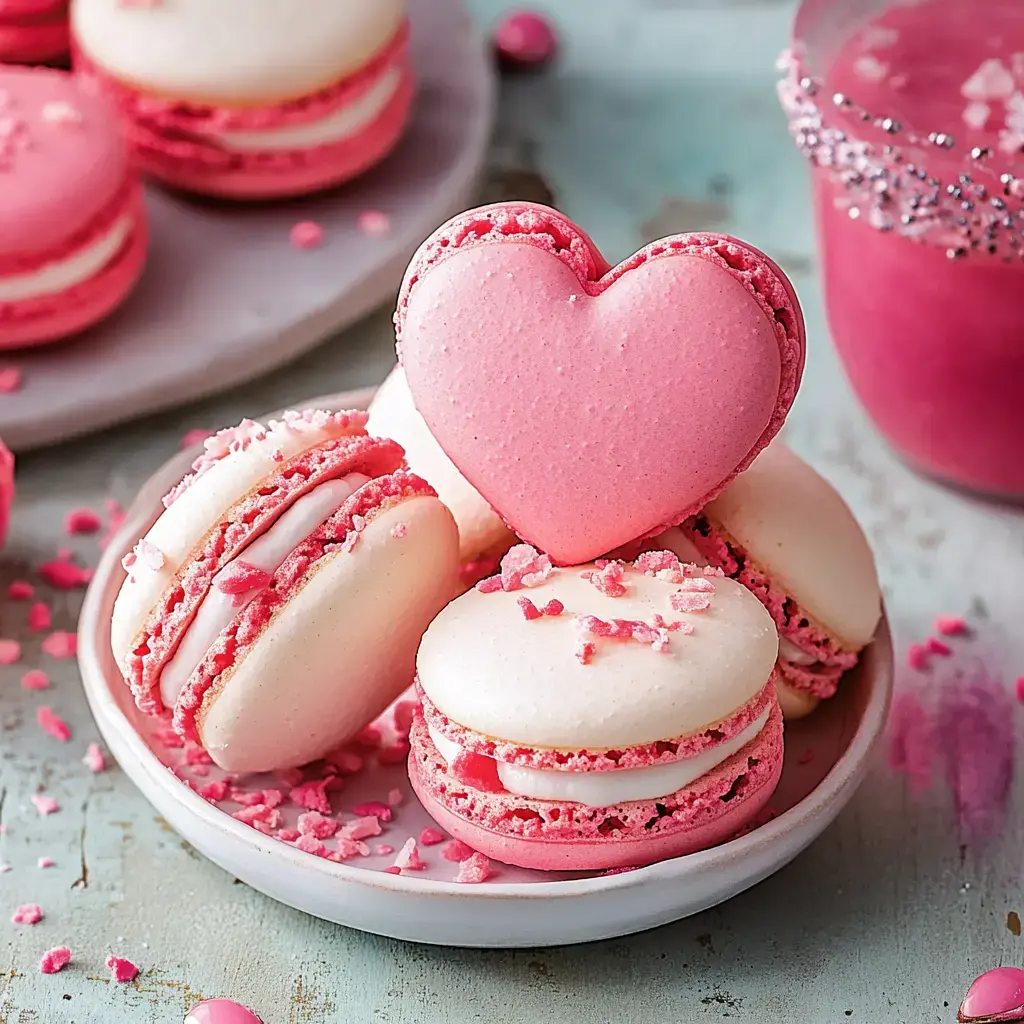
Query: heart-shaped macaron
pixel 592 405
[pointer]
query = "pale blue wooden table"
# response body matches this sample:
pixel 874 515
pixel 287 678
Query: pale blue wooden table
pixel 660 117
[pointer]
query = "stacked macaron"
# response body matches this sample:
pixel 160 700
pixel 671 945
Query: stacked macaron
pixel 33 31
pixel 73 227
pixel 275 606
pixel 251 100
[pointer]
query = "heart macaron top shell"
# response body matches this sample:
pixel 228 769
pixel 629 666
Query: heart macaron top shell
pixel 589 405
pixel 233 52
pixel 62 163
pixel 487 667
pixel 794 525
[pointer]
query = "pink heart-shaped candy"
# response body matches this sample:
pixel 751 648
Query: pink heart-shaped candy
pixel 593 405
pixel 221 1011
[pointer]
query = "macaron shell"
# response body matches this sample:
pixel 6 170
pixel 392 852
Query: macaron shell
pixel 65 175
pixel 488 668
pixel 342 648
pixel 590 411
pixel 794 525
pixel 795 703
pixel 33 42
pixel 392 414
pixel 233 52
pixel 220 1011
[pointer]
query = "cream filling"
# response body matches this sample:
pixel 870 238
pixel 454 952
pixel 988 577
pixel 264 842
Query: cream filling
pixel 63 274
pixel 337 125
pixel 788 651
pixel 268 552
pixel 606 788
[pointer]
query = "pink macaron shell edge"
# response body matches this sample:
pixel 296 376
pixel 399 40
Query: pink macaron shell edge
pixel 54 317
pixel 34 40
pixel 699 829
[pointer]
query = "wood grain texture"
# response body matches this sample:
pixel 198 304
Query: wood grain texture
pixel 655 107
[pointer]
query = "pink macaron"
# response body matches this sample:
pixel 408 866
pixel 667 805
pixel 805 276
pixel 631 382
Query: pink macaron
pixel 275 606
pixel 33 31
pixel 273 104
pixel 603 716
pixel 73 227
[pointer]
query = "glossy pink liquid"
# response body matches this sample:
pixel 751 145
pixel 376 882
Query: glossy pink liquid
pixel 934 347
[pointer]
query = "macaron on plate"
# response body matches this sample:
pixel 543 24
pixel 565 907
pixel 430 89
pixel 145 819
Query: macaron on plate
pixel 408 879
pixel 226 294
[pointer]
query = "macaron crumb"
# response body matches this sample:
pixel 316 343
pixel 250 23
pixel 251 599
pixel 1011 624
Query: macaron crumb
pixel 455 850
pixel 312 795
pixel 408 858
pixel 20 590
pixel 28 913
pixel 917 657
pixel 475 869
pixel 63 574
pixel 10 380
pixel 82 521
pixel 939 647
pixel 609 580
pixel 10 651
pixel 52 724
pixel 950 625
pixel 374 808
pixel 35 679
pixel 45 862
pixel 39 618
pixel 395 798
pixel 95 760
pixel 384 850
pixel 122 971
pixel 431 837
pixel 373 223
pixel 44 804
pixel 529 609
pixel 54 960
pixel 1019 689
pixel 307 234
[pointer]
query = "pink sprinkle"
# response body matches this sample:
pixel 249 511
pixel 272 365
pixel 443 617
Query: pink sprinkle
pixel 10 652
pixel 312 796
pixel 194 436
pixel 375 808
pixel 524 39
pixel 362 828
pixel 35 679
pixel 395 798
pixel 1020 689
pixel 55 960
pixel 82 520
pixel 553 607
pixel 431 837
pixel 10 380
pixel 315 824
pixel 937 646
pixel 28 913
pixel 45 862
pixel 39 617
pixel 474 869
pixel 399 530
pixel 307 234
pixel 53 724
pixel 685 601
pixel 950 625
pixel 61 645
pixel 522 566
pixel 64 575
pixel 609 580
pixel 121 970
pixel 455 850
pixel 373 223
pixel 240 577
pixel 529 609
pixel 917 657
pixel 383 850
pixel 408 858
pixel 21 590
pixel 585 650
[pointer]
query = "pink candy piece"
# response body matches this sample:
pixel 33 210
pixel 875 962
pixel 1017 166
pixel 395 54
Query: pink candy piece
pixel 939 647
pixel 529 609
pixel 917 657
pixel 373 223
pixel 522 566
pixel 950 625
pixel 55 960
pixel 28 913
pixel 121 970
pixel 61 645
pixel 374 808
pixel 474 869
pixel 52 724
pixel 316 824
pixel 361 828
pixel 20 590
pixel 307 234
pixel 10 651
pixel 996 996
pixel 553 607
pixel 408 858
pixel 221 1011
pixel 456 851
pixel 35 679
pixel 82 520
pixel 525 39
pixel 44 804
pixel 312 796
pixel 39 618
pixel 10 380
pixel 609 580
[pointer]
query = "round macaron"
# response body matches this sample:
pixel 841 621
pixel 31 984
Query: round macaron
pixel 73 228
pixel 276 605
pixel 251 99
pixel 33 31
pixel 483 537
pixel 781 530
pixel 601 716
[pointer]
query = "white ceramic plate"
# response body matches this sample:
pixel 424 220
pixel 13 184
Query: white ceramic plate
pixel 826 756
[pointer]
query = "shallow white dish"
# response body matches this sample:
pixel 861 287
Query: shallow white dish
pixel 225 297
pixel 826 756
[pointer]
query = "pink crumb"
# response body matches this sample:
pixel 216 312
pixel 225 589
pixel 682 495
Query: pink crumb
pixel 64 575
pixel 10 651
pixel 405 710
pixel 28 913
pixel 917 657
pixel 362 828
pixel 307 234
pixel 374 808
pixel 553 607
pixel 609 580
pixel 408 858
pixel 950 625
pixel 522 566
pixel 524 39
pixel 94 759
pixel 39 619
pixel 391 870
pixel 55 960
pixel 1019 689
pixel 456 850
pixel 35 679
pixel 82 520
pixel 44 804
pixel 10 380
pixel 939 647
pixel 240 577
pixel 312 795
pixel 214 792
pixel 476 770
pixel 61 645
pixel 431 837
pixel 399 530
pixel 529 609
pixel 474 869
pixel 316 824
pixel 121 970
pixel 45 862
pixel 395 798
pixel 689 601
pixel 52 724
pixel 585 651
pixel 384 850
pixel 373 223
pixel 21 590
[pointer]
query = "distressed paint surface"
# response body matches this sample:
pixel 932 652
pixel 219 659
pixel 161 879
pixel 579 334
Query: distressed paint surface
pixel 660 117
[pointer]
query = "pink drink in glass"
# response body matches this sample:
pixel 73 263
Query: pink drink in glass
pixel 912 114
